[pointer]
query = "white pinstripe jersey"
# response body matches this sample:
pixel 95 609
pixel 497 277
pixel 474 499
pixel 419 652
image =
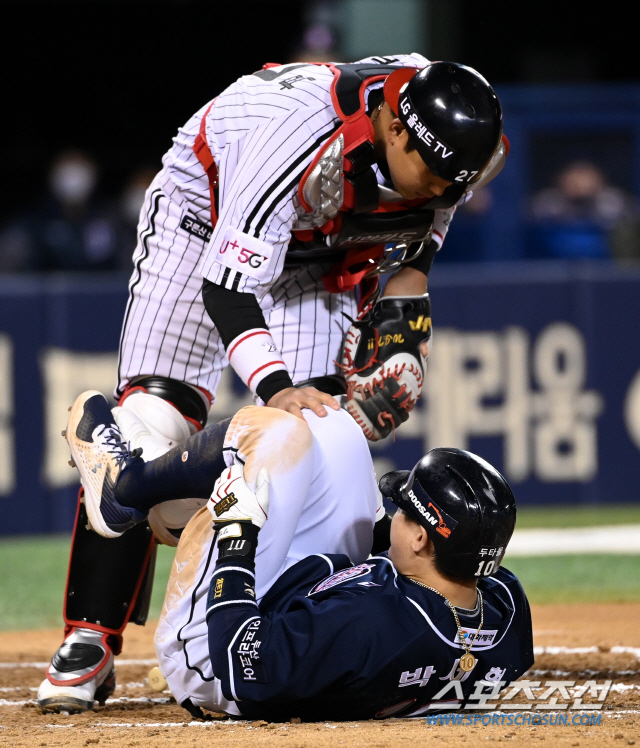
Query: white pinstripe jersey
pixel 263 134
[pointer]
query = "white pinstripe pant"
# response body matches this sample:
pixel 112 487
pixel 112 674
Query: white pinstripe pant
pixel 167 331
pixel 323 499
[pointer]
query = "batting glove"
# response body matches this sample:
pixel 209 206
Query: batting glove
pixel 233 501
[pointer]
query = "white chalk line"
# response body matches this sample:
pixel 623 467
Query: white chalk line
pixel 617 687
pixel 612 714
pixel 587 650
pixel 119 687
pixel 565 650
pixel 617 714
pixel 609 539
pixel 119 700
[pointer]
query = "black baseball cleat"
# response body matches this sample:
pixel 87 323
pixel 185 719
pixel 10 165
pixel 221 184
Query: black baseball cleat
pixel 81 672
pixel 100 454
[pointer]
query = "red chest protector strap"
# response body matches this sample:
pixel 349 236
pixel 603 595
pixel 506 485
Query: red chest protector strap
pixel 205 157
pixel 348 97
pixel 348 90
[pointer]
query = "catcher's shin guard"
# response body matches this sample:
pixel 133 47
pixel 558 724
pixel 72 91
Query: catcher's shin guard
pixel 81 672
pixel 108 583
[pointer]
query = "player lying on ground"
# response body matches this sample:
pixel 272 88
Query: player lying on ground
pixel 275 610
pixel 258 241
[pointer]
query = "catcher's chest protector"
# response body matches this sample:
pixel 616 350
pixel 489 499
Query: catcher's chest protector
pixel 340 203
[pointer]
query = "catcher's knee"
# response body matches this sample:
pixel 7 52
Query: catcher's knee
pixel 156 414
pixel 192 403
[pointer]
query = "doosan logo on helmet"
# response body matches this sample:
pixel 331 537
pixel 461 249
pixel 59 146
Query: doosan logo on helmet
pixel 442 527
pixel 424 512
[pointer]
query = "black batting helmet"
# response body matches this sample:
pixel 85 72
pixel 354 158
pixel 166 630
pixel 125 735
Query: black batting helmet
pixel 452 114
pixel 465 505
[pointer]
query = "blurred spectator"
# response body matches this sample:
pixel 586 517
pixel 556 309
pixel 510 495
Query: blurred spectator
pixel 71 228
pixel 578 217
pixel 319 41
pixel 131 202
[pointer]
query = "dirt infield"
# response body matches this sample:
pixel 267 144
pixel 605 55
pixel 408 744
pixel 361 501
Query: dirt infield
pixel 138 716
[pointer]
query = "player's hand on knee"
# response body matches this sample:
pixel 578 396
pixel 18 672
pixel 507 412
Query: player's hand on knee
pixel 234 501
pixel 294 399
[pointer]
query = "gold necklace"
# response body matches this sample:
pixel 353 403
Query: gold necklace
pixel 467 661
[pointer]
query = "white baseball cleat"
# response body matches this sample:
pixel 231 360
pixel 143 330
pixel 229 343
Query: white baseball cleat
pixel 81 672
pixel 100 454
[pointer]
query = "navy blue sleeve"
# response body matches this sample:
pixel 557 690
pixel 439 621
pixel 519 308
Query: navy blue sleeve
pixel 299 654
pixel 523 617
pixel 231 604
pixel 295 651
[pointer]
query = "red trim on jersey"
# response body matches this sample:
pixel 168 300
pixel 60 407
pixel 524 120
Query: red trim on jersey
pixel 246 337
pixel 260 368
pixel 205 157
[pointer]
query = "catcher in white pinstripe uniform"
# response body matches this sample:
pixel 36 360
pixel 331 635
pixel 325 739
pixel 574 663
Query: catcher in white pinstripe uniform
pixel 260 245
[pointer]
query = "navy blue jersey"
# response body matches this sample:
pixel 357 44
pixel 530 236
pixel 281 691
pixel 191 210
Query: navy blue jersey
pixel 361 643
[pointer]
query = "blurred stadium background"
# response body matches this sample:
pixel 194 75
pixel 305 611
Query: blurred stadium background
pixel 536 294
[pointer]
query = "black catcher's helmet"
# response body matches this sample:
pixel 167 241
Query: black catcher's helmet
pixel 465 505
pixel 453 116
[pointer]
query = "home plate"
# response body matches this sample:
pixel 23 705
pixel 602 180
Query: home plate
pixel 607 539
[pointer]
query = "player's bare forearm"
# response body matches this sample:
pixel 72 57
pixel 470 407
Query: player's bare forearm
pixel 294 399
pixel 406 282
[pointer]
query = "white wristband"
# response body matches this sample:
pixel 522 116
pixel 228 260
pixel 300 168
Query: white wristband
pixel 254 356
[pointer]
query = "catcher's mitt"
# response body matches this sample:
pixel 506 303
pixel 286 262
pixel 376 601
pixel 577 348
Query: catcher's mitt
pixel 384 360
